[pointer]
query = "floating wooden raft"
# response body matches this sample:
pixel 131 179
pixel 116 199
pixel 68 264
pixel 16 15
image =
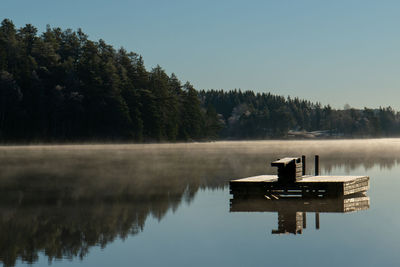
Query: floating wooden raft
pixel 290 182
pixel 269 186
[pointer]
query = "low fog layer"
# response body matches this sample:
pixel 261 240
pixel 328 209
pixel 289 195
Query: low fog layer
pixel 88 170
pixel 69 198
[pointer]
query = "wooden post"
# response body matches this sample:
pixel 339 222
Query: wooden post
pixel 304 220
pixel 316 165
pixel 317 220
pixel 303 160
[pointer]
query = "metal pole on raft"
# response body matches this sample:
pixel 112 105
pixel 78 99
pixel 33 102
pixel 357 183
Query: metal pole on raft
pixel 316 165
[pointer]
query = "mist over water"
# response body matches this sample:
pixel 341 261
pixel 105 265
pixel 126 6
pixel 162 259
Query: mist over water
pixel 61 202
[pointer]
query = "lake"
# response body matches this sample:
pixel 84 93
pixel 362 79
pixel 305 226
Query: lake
pixel 169 205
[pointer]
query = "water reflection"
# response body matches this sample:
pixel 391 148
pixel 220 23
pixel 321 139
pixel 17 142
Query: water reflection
pixel 292 212
pixel 63 200
pixel 67 229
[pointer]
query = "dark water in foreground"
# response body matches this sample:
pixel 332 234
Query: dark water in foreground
pixel 169 205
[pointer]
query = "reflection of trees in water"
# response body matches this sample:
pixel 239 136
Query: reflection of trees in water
pixel 63 231
pixel 349 165
pixel 87 200
pixel 64 200
pixel 64 228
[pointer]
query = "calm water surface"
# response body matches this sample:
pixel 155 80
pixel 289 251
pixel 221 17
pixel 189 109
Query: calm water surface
pixel 169 205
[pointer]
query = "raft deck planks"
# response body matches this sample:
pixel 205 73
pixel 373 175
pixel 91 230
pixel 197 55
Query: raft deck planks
pixel 307 185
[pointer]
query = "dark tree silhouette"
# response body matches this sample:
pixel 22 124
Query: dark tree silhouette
pixel 61 86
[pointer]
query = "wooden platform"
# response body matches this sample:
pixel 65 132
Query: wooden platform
pixel 270 187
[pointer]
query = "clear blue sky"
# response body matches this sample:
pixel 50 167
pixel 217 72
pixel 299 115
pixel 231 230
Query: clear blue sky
pixel 334 52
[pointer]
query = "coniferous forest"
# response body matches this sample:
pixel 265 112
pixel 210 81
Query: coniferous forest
pixel 61 86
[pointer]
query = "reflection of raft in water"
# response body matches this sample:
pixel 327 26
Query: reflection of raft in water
pixel 292 181
pixel 339 204
pixel 292 211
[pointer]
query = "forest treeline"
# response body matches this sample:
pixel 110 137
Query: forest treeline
pixel 61 86
pixel 249 115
